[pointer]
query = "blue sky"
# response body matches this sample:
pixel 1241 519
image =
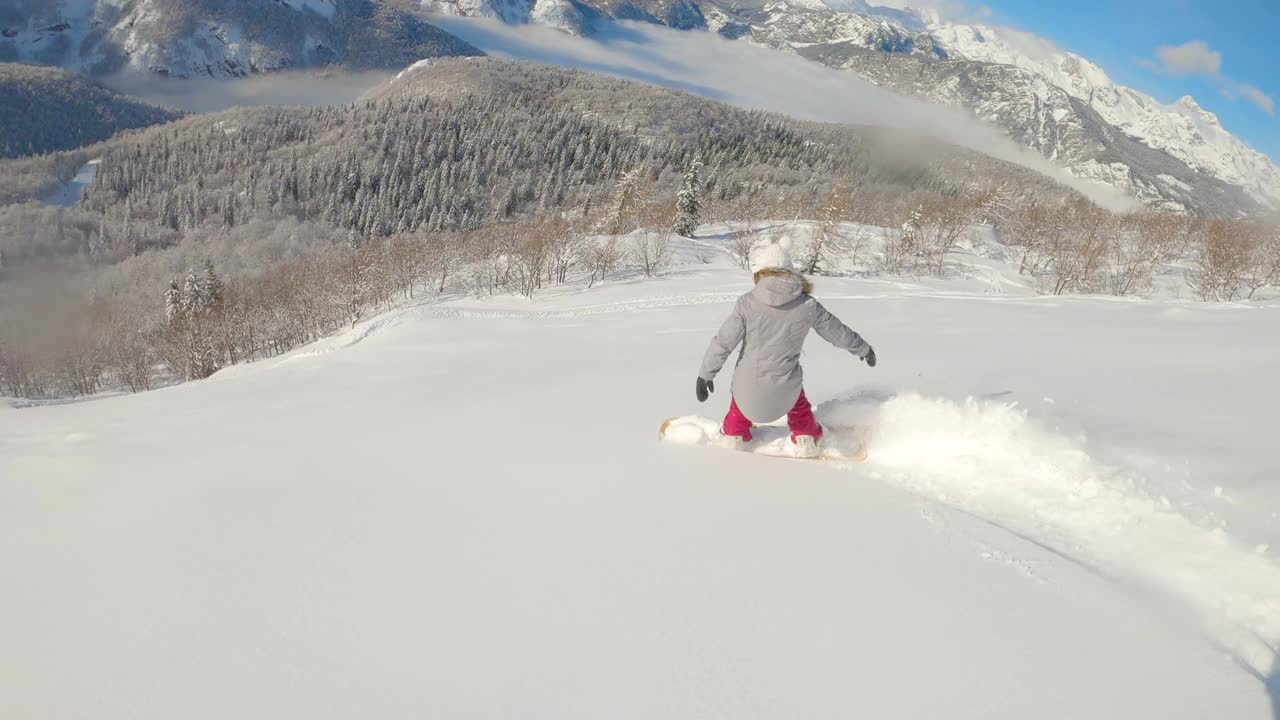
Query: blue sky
pixel 1119 35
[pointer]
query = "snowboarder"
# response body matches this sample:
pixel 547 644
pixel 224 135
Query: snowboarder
pixel 771 323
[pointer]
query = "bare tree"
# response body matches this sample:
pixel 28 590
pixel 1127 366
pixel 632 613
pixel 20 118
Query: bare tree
pixel 1140 244
pixel 1225 257
pixel 743 244
pixel 826 244
pixel 943 222
pixel 532 245
pixel 570 247
pixel 1076 257
pixel 651 251
pixel 1032 230
pixel 603 256
pixel 1264 270
pixel 902 247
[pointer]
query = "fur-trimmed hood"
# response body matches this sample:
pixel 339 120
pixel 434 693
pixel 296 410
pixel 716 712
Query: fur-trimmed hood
pixel 776 286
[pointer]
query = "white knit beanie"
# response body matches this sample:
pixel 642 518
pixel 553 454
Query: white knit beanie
pixel 776 254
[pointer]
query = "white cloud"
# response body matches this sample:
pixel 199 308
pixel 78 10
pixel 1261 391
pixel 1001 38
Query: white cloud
pixel 1191 58
pixel 1257 97
pixel 286 88
pixel 1198 59
pixel 749 76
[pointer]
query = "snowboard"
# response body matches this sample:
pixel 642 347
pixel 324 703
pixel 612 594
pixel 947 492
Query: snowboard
pixel 839 443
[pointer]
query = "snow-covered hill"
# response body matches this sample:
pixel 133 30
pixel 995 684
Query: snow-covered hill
pixel 461 510
pixel 207 38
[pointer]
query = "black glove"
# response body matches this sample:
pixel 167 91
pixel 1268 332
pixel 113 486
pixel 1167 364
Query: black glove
pixel 704 389
pixel 870 358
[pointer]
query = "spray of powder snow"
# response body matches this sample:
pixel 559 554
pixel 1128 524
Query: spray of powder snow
pixel 990 460
pixel 750 76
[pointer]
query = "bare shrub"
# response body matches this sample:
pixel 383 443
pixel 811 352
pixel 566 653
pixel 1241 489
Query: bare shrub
pixel 532 248
pixel 651 251
pixel 1227 258
pixel 743 244
pixel 1141 244
pixel 604 255
pixel 942 223
pixel 1264 270
pixel 823 247
pixel 902 246
pixel 1076 251
pixel 1034 230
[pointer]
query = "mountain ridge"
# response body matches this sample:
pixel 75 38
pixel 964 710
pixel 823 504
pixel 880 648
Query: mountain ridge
pixel 1171 157
pixel 213 38
pixel 1174 157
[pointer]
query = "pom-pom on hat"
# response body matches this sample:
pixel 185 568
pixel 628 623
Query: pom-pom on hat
pixel 776 254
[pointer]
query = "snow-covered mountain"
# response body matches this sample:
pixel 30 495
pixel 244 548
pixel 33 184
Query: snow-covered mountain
pixel 1059 103
pixel 1170 156
pixel 214 39
pixel 1062 105
pixel 1184 129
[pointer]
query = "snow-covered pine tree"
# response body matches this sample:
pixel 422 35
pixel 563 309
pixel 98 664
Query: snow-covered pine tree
pixel 213 288
pixel 994 205
pixel 95 244
pixel 689 201
pixel 173 303
pixel 903 247
pixel 623 206
pixel 130 235
pixel 356 283
pixel 911 228
pixel 193 293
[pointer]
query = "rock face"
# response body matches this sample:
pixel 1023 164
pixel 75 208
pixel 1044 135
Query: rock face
pixel 213 38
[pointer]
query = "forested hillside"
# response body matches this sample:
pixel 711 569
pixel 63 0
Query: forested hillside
pixel 221 238
pixel 460 143
pixel 44 109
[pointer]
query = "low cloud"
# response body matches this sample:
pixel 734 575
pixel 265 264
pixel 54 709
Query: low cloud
pixel 200 95
pixel 749 76
pixel 1196 58
pixel 1255 96
pixel 1192 58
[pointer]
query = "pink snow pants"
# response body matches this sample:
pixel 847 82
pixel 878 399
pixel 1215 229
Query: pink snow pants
pixel 799 418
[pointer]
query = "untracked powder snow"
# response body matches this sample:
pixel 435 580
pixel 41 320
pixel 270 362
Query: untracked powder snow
pixel 461 508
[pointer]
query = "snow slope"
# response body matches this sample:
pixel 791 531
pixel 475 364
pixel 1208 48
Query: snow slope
pixel 461 509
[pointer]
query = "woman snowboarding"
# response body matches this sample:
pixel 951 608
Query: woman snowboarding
pixel 771 323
